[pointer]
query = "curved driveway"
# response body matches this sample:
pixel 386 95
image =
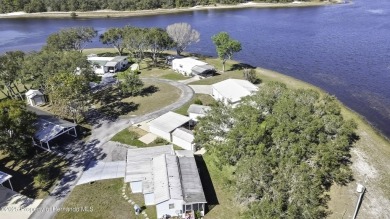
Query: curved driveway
pixel 101 133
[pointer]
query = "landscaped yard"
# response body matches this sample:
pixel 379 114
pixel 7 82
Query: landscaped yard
pixel 36 175
pixel 130 136
pixel 105 200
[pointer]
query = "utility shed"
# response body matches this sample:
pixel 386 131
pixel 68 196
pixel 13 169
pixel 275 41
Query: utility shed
pixel 164 125
pixel 49 127
pixel 195 111
pixel 35 98
pixel 232 90
pixel 183 138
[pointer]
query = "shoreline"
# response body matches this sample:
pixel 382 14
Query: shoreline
pixel 117 14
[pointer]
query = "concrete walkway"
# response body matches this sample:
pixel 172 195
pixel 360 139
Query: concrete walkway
pixel 15 205
pixel 91 151
pixel 202 89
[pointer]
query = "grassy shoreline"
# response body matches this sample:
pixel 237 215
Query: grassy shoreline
pixel 112 13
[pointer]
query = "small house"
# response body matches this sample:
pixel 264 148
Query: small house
pixel 35 98
pixel 190 67
pixel 168 180
pixel 102 65
pixel 195 111
pixel 232 90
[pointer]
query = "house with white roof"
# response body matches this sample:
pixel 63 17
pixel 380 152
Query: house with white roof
pixel 169 126
pixel 190 67
pixel 102 65
pixel 232 90
pixel 167 179
pixel 35 98
pixel 195 111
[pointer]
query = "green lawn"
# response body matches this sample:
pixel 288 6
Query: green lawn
pixel 130 136
pixel 50 166
pixel 104 198
pixel 139 199
pixel 174 76
pixel 207 100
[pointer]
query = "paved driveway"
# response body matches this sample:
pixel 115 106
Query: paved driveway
pixel 201 89
pixel 100 170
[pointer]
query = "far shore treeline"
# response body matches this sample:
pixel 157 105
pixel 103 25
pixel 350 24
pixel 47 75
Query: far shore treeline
pixel 32 6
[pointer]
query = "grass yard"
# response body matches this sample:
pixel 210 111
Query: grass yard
pixel 104 198
pixel 206 100
pixel 138 198
pixel 165 95
pixel 174 76
pixel 26 172
pixel 130 136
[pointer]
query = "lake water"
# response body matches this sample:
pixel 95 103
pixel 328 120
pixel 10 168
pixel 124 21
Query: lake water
pixel 344 49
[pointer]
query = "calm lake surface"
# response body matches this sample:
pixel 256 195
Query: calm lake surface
pixel 344 49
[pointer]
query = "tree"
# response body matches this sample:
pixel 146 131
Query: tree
pixel 250 75
pixel 158 41
pixel 132 84
pixel 16 128
pixel 183 35
pixel 69 95
pixel 225 46
pixel 38 67
pixel 75 38
pixel 136 42
pixel 286 147
pixel 114 37
pixel 10 73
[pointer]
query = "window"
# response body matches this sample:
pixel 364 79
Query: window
pixel 171 206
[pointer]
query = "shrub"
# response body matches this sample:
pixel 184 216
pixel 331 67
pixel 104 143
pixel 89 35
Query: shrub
pixel 198 101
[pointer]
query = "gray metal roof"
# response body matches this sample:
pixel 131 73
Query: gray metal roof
pixel 190 180
pixel 199 69
pixel 118 58
pixel 4 177
pixel 184 134
pixel 235 89
pixel 169 121
pixel 139 164
pixel 48 126
pixel 198 109
pixel 166 179
pixel 111 64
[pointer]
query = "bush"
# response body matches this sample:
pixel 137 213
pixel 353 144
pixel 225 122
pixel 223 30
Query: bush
pixel 42 178
pixel 250 75
pixel 198 101
pixel 73 14
pixel 160 141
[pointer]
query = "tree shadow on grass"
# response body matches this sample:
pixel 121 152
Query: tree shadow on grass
pixel 241 66
pixel 110 112
pixel 207 183
pixel 147 91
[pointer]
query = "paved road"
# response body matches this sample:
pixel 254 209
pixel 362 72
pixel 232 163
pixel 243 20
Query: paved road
pixel 91 150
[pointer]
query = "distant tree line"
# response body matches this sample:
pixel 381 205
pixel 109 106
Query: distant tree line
pixel 31 6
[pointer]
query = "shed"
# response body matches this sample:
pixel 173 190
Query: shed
pixel 35 98
pixel 190 66
pixel 232 90
pixel 195 111
pixel 184 138
pixel 164 125
pixel 49 127
pixel 102 65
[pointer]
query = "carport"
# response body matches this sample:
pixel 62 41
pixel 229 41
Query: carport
pixel 5 177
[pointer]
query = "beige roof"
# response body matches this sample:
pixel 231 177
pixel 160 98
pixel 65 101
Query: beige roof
pixel 169 121
pixel 235 89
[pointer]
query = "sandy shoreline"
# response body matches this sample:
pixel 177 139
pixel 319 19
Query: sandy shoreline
pixel 111 13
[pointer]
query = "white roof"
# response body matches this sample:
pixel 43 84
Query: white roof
pixel 139 164
pixel 188 62
pixel 184 134
pixel 169 121
pixel 33 93
pixel 98 58
pixel 4 177
pixel 198 109
pixel 235 89
pixel 166 179
pixel 111 64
